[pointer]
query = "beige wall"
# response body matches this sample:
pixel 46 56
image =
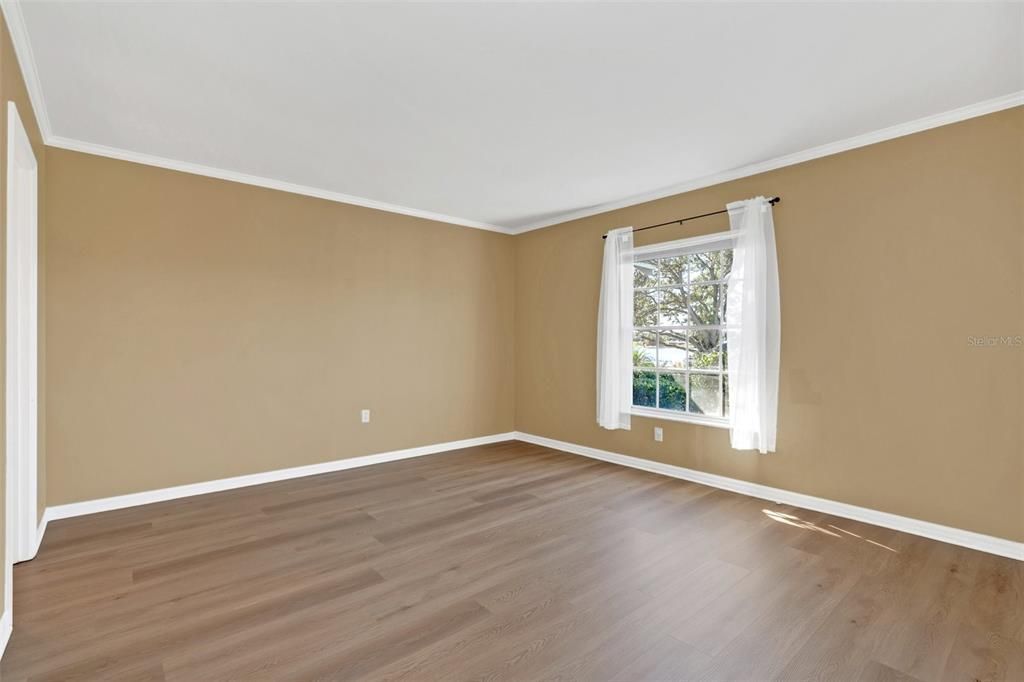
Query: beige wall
pixel 890 256
pixel 200 329
pixel 12 89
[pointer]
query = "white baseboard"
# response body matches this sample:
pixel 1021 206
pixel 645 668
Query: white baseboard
pixel 64 511
pixel 6 627
pixel 955 536
pixel 6 619
pixel 40 530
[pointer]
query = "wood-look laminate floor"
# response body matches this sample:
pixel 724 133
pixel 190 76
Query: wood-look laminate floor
pixel 508 561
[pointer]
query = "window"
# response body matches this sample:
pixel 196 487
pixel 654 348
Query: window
pixel 680 354
pixel 664 349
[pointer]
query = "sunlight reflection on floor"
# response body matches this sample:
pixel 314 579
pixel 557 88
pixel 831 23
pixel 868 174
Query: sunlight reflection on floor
pixel 797 522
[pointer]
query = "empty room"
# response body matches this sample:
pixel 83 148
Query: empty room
pixel 512 341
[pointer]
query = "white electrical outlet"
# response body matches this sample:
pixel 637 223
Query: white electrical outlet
pixel 658 435
pixel 366 416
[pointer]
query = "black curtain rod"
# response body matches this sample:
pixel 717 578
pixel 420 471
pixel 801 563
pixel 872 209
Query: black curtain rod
pixel 772 201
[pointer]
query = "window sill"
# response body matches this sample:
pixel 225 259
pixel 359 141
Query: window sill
pixel 668 415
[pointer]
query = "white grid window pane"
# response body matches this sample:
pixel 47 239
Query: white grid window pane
pixel 705 304
pixel 672 308
pixel 680 355
pixel 673 348
pixel 710 266
pixel 645 389
pixel 645 308
pixel 645 349
pixel 705 349
pixel 672 270
pixel 706 394
pixel 672 391
pixel 645 274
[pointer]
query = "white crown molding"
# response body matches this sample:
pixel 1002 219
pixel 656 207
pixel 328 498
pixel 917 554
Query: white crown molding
pixel 268 183
pixel 892 132
pixel 963 113
pixel 64 511
pixel 26 60
pixel 934 531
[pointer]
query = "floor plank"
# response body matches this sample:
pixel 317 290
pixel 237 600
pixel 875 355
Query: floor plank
pixel 507 561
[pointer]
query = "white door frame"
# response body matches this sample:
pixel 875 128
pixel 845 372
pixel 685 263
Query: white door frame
pixel 21 337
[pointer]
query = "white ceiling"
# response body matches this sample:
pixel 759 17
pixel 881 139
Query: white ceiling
pixel 507 115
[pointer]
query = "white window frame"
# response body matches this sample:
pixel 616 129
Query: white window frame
pixel 702 244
